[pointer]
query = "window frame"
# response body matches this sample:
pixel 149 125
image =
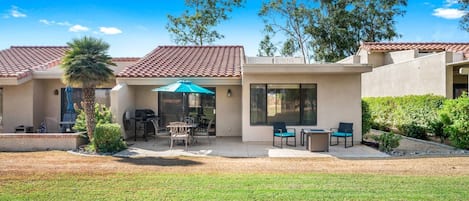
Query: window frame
pixel 302 97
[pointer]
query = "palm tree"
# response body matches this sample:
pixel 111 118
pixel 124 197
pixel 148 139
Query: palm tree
pixel 85 65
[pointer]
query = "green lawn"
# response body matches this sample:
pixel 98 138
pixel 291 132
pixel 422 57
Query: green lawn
pixel 170 186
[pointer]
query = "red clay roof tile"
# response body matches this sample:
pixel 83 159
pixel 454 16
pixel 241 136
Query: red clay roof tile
pixel 188 61
pixel 429 46
pixel 19 61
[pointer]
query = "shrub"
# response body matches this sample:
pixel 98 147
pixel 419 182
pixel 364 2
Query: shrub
pixel 107 138
pixel 455 116
pixel 366 118
pixel 387 141
pixel 102 115
pixel 413 130
pixel 409 112
pixel 437 128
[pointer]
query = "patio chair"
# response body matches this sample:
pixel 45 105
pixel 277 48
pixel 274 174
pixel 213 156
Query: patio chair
pixel 345 130
pixel 204 131
pixel 280 130
pixel 179 131
pixel 159 132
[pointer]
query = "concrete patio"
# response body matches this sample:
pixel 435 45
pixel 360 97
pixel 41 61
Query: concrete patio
pixel 234 147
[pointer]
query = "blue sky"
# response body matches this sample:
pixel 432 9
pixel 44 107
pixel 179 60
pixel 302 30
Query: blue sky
pixel 134 28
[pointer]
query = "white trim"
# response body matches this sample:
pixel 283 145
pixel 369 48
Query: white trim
pixel 14 80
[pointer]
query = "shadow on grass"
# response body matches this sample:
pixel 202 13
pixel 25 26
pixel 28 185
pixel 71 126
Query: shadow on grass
pixel 159 161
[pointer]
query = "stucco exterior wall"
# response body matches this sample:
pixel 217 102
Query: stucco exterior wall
pixel 399 56
pixel 228 111
pixel 17 106
pixel 122 100
pixel 338 97
pixel 423 75
pixel 374 58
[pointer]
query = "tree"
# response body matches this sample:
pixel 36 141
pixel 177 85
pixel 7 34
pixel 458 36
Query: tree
pixel 338 26
pixel 195 26
pixel 266 47
pixel 290 18
pixel 85 65
pixel 464 23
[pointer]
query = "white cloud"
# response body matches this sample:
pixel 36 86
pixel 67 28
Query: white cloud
pixel 52 22
pixel 15 12
pixel 448 13
pixel 78 28
pixel 449 3
pixel 110 30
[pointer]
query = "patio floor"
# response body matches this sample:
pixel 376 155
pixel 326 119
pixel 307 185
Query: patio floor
pixel 234 147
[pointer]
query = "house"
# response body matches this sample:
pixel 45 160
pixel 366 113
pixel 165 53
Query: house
pixel 250 93
pixel 31 90
pixel 413 68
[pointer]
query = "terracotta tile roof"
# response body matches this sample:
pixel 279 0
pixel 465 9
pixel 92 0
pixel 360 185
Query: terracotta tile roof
pixel 19 61
pixel 125 59
pixel 429 46
pixel 188 61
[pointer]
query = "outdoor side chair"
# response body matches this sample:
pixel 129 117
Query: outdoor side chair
pixel 280 131
pixel 179 131
pixel 158 130
pixel 345 131
pixel 204 131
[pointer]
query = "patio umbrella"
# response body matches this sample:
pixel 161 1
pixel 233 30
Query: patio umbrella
pixel 68 95
pixel 183 86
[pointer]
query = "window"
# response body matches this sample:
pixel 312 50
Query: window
pixel 294 104
pixel 102 96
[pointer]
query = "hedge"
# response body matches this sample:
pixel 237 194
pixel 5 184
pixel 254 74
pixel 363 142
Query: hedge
pixel 412 115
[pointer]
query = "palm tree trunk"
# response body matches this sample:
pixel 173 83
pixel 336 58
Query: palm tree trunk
pixel 88 99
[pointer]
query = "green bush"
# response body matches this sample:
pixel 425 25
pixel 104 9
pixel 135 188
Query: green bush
pixel 455 116
pixel 413 130
pixel 107 138
pixel 366 118
pixel 102 115
pixel 407 112
pixel 387 141
pixel 437 128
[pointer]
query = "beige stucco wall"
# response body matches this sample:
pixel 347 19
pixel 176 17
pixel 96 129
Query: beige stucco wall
pixel 399 56
pixel 339 100
pixel 122 100
pixel 374 58
pixel 423 75
pixel 228 113
pixel 17 106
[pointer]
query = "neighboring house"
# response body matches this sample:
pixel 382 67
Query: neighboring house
pixel 250 93
pixel 413 68
pixel 31 90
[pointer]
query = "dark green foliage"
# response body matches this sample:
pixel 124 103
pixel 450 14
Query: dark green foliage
pixel 107 138
pixel 387 141
pixel 412 114
pixel 464 22
pixel 413 130
pixel 455 116
pixel 366 118
pixel 266 47
pixel 102 115
pixel 437 128
pixel 195 25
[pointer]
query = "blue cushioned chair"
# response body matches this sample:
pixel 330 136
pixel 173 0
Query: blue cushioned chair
pixel 281 131
pixel 345 130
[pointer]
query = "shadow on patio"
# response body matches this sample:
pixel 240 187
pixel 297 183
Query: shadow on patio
pixel 234 147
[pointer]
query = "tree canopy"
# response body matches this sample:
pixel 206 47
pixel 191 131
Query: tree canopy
pixel 464 23
pixel 196 25
pixel 329 30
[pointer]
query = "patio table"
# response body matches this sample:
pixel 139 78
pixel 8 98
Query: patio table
pixel 182 124
pixel 317 139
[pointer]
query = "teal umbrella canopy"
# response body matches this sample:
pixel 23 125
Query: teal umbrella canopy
pixel 184 86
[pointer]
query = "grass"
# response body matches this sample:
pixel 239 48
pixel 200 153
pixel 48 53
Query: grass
pixel 232 186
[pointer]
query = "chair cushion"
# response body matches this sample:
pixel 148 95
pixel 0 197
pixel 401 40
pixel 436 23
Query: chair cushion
pixel 341 134
pixel 287 134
